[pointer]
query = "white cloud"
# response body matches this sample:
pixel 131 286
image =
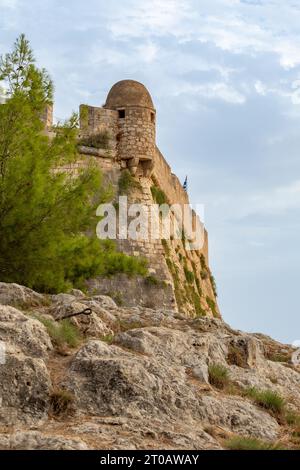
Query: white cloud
pixel 284 89
pixel 148 52
pixel 274 201
pixel 157 17
pixel 219 90
pixel 260 88
pixel 231 25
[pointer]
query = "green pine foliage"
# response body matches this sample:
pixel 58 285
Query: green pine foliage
pixel 47 215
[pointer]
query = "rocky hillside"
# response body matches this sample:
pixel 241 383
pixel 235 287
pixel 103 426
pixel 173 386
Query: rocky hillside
pixel 137 378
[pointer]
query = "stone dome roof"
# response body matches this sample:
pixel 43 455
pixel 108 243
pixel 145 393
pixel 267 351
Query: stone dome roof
pixel 128 93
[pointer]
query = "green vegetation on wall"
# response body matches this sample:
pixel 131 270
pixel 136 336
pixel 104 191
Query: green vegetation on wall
pixel 98 141
pixel 189 275
pixel 84 116
pixel 158 195
pixel 213 285
pixel 127 183
pixel 212 305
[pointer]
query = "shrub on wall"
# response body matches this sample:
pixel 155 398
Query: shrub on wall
pixel 127 183
pixel 158 195
pixel 98 141
pixel 212 305
pixel 189 275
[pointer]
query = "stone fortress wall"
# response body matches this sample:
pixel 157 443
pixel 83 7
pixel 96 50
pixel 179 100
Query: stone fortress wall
pixel 178 278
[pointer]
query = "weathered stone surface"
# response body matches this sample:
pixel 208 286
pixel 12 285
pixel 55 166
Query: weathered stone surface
pixel 25 389
pixel 187 348
pixel 145 385
pixel 89 325
pixel 35 440
pixel 296 357
pixel 105 301
pixel 239 416
pixel 108 380
pixel 28 334
pixel 20 296
pixel 246 350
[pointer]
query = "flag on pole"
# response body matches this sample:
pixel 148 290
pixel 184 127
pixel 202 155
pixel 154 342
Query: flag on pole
pixel 185 184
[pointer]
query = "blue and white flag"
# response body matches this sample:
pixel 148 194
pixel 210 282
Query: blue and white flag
pixel 185 184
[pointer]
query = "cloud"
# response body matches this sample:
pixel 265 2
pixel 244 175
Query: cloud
pixel 277 200
pixel 150 17
pixel 238 27
pixel 217 91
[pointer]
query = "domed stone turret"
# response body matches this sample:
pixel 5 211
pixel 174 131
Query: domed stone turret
pixel 136 123
pixel 128 93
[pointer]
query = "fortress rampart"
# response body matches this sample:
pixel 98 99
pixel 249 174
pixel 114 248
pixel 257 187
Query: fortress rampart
pixel 121 136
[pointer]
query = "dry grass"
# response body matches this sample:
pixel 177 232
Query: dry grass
pixel 249 443
pixel 267 399
pixel 218 376
pixel 62 403
pixel 235 357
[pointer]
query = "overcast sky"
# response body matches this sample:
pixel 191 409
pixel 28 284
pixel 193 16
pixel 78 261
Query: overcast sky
pixel 225 78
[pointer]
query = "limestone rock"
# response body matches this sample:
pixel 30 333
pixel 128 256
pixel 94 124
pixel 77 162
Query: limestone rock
pixel 187 348
pixel 25 388
pixel 28 334
pixel 144 386
pixel 35 440
pixel 296 357
pixel 245 351
pixel 239 416
pixel 20 296
pixel 105 301
pixel 89 325
pixel 108 380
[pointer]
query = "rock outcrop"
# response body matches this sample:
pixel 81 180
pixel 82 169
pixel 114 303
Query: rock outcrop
pixel 136 378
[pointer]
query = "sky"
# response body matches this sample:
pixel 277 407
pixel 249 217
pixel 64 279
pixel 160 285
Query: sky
pixel 225 79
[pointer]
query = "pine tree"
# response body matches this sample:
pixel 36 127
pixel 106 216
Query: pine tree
pixel 45 211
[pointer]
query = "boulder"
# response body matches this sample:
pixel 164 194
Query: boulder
pixel 20 296
pixel 238 416
pixel 89 325
pixel 106 380
pixel 28 334
pixel 25 388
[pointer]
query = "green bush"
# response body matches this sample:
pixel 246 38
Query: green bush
pixel 189 275
pixel 213 285
pixel 158 195
pixel 98 141
pixel 199 287
pixel 292 418
pixel 116 262
pixel 62 333
pixel 127 183
pixel 152 281
pixel 267 399
pixel 203 274
pixel 248 443
pixel 108 338
pixel 200 312
pixel 166 247
pixel 202 261
pixel 218 375
pixel 212 305
pixel 279 357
